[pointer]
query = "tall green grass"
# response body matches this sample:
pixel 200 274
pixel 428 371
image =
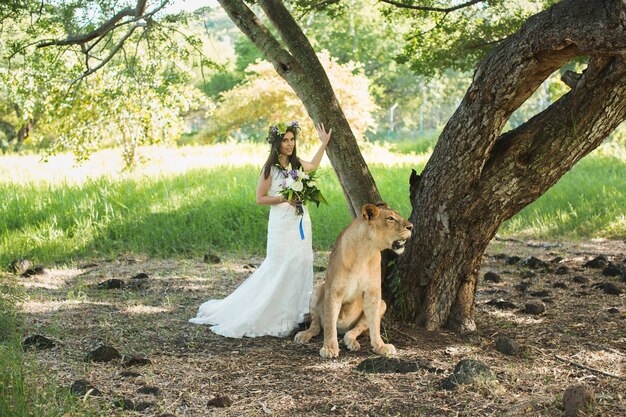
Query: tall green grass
pixel 189 214
pixel 589 201
pixel 213 210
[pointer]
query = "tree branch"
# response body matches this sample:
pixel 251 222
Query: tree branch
pixel 402 5
pixel 254 29
pixel 571 78
pixel 318 6
pixel 113 23
pixel 86 37
pixel 291 34
pixel 535 155
pixel 509 75
pixel 114 51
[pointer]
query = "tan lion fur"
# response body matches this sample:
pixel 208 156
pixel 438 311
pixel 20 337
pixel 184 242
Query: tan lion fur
pixel 349 300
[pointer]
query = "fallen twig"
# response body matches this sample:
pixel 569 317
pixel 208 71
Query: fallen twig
pixel 579 365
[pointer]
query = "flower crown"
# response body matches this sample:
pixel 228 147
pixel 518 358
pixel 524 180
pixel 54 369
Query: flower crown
pixel 280 129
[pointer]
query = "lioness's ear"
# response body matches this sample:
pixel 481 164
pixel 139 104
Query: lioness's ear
pixel 382 204
pixel 370 212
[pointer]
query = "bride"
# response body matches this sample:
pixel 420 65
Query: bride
pixel 275 298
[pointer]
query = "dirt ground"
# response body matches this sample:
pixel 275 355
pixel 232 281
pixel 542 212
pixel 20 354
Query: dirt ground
pixel 580 338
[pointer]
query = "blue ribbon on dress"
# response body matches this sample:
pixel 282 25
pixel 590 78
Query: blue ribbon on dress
pixel 301 229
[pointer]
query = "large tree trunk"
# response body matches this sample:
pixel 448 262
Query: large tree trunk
pixel 299 66
pixel 477 177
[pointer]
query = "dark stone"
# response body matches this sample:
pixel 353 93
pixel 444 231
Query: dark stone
pixel 19 266
pixel 129 374
pixel 209 258
pixel 250 267
pixel 135 361
pixel 385 365
pixel 528 274
pixel 613 270
pixel 317 268
pixel 149 391
pixel 560 285
pixel 512 260
pixel 613 310
pixel 103 354
pixel 597 262
pixel 110 284
pixel 501 304
pixel 141 275
pixel 548 300
pixel 467 371
pixel 562 270
pixel 542 293
pixel 124 404
pixel 37 341
pixel 222 401
pixel 500 256
pixel 556 260
pixel 507 346
pixel 37 270
pixel 534 307
pixel 609 288
pixel 534 263
pixel 167 415
pixel 522 286
pixel 143 406
pixel 577 400
pixel 492 276
pixel 82 387
pixel 580 279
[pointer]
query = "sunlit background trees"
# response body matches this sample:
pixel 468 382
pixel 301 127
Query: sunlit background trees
pixel 193 78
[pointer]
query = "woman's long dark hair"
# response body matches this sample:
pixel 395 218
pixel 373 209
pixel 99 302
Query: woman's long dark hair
pixel 276 139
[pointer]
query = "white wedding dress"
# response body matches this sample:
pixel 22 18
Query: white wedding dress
pixel 275 298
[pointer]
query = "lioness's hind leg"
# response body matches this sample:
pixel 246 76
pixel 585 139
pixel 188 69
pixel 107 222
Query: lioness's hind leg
pixel 361 327
pixel 315 327
pixel 350 337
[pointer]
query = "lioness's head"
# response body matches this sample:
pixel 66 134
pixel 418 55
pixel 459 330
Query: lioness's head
pixel 388 229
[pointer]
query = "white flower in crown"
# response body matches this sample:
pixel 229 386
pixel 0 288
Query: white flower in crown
pixel 297 186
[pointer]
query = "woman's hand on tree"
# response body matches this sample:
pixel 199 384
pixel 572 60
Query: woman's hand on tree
pixel 321 131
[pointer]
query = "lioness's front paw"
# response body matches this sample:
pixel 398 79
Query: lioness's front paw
pixel 351 344
pixel 329 352
pixel 386 350
pixel 303 337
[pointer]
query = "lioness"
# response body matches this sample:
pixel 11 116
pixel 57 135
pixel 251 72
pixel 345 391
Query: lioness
pixel 349 301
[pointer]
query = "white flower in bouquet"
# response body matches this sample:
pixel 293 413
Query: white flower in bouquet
pixel 297 186
pixel 288 182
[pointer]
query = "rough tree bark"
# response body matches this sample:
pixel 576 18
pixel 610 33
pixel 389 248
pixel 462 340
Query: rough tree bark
pixel 477 177
pixel 298 64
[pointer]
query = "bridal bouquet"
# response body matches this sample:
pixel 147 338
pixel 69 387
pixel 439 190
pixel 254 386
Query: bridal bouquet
pixel 302 187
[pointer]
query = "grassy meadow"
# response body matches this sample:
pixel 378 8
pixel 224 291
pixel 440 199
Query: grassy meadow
pixel 193 200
